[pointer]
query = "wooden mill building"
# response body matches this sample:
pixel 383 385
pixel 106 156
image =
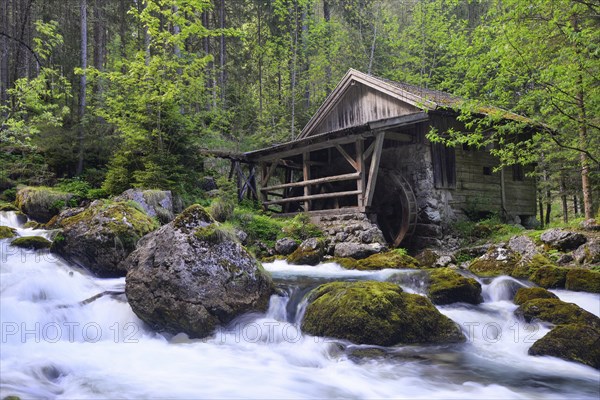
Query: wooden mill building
pixel 365 151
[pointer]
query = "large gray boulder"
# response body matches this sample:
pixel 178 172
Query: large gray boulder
pixel 356 250
pixel 190 276
pixel 588 253
pixel 562 239
pixel 101 236
pixel 310 252
pixel 285 246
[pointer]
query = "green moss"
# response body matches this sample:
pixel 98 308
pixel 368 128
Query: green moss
pixel 33 225
pixel 8 206
pixel 550 277
pixel 345 262
pixel 523 295
pixel 448 286
pixel 270 259
pixel 572 342
pixel 308 256
pixel 491 265
pixel 32 242
pixel 427 258
pixel 6 232
pixel 41 203
pixel 214 234
pixel 583 280
pixel 192 217
pixel 556 312
pixel 11 397
pixel 376 313
pixel 525 269
pixel 391 259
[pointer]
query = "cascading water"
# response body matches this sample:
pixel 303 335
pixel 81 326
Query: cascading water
pixel 59 341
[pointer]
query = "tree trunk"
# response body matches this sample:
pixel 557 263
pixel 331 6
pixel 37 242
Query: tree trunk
pixel 586 187
pixel 294 46
pixel 575 208
pixel 83 82
pixel 563 198
pixel 4 54
pixel 541 208
pixel 327 17
pixel 222 53
pixel 260 61
pixel 372 55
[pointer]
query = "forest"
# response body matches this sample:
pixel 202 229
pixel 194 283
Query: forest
pixel 112 94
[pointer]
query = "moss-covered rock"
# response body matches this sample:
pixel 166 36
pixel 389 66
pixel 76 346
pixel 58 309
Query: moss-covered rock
pixel 550 277
pixel 6 232
pixel 526 267
pixel 556 312
pixel 193 217
pixel 41 203
pixel 102 236
pixel 310 252
pixel 395 259
pixel 497 261
pixel 8 207
pixel 523 295
pixel 572 342
pixel 377 313
pixel 448 286
pixel 583 280
pixel 32 242
pixel 33 225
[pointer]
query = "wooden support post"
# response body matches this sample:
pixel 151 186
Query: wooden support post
pixel 306 177
pixel 373 170
pixel 360 168
pixel 252 183
pixel 350 160
pixel 264 196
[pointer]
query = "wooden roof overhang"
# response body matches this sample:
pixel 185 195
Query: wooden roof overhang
pixel 331 139
pixel 297 155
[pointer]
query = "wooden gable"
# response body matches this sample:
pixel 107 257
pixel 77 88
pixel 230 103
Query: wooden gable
pixel 359 99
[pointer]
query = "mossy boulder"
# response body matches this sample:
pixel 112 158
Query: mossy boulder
pixel 160 204
pixel 378 313
pixel 6 232
pixel 448 286
pixel 562 239
pixel 583 280
pixel 41 203
pixel 523 295
pixel 8 207
pixel 310 252
pixel 588 253
pixel 32 242
pixel 497 261
pixel 33 225
pixel 101 236
pixel 556 312
pixel 395 259
pixel 571 342
pixel 189 276
pixel 528 266
pixel 550 277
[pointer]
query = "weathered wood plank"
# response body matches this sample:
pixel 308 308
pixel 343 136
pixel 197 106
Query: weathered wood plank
pixel 306 177
pixel 335 178
pixel 360 163
pixel 347 157
pixel 373 170
pixel 313 197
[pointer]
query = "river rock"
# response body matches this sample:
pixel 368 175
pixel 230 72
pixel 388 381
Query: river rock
pixel 6 232
pixel 562 239
pixel 32 242
pixel 356 250
pixel 285 246
pixel 190 276
pixel 310 252
pixel 590 225
pixel 588 253
pixel 550 277
pixel 497 261
pixel 101 236
pixel 583 280
pixel 378 313
pixel 448 286
pixel 41 204
pixel 525 294
pixel 155 203
pixel 556 312
pixel 572 342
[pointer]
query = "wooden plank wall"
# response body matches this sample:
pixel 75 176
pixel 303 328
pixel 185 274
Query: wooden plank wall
pixel 359 105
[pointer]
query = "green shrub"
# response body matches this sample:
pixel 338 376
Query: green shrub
pixel 301 228
pixel 221 209
pixel 9 195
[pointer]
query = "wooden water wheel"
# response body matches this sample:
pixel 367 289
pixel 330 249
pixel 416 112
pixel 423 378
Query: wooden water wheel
pixel 396 207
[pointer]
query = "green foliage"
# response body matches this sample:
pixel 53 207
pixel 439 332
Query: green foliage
pixel 300 228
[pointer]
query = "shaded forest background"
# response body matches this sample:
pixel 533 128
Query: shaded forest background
pixel 125 93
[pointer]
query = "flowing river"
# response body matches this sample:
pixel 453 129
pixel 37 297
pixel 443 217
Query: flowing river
pixel 59 341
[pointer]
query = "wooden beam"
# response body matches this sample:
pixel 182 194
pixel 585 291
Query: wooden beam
pixel 270 172
pixel 306 177
pixel 399 137
pixel 367 153
pixel 346 156
pixel 264 197
pixel 335 178
pixel 373 170
pixel 313 197
pixel 360 163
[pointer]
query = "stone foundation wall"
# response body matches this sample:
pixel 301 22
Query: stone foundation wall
pixel 353 227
